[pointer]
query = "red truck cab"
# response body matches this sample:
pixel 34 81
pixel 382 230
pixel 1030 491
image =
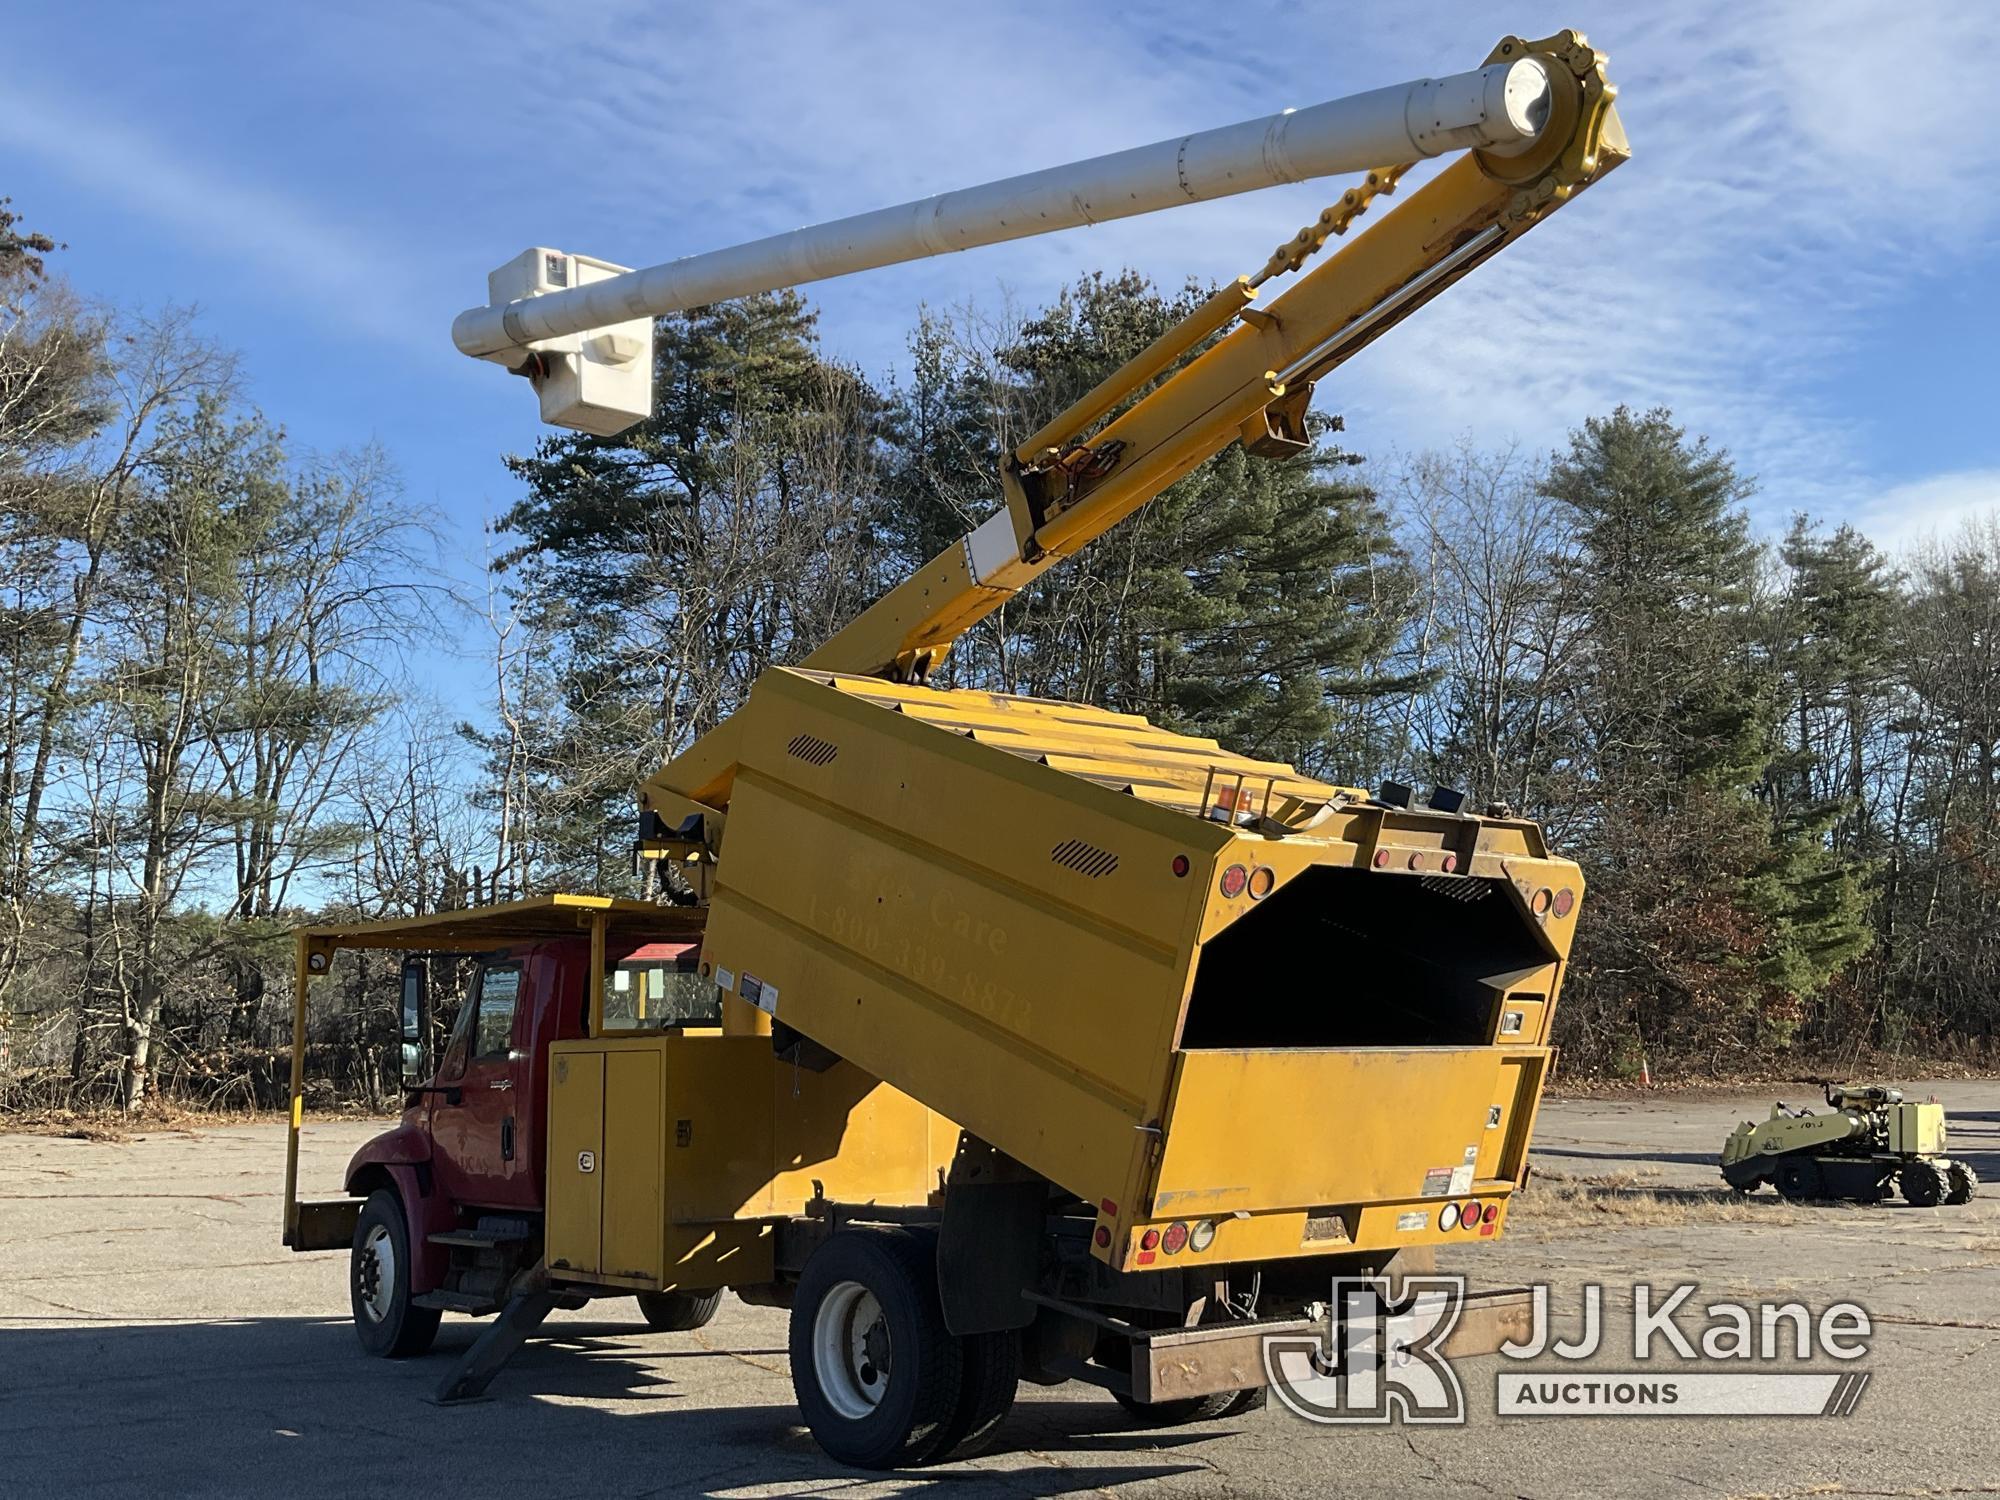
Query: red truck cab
pixel 451 1198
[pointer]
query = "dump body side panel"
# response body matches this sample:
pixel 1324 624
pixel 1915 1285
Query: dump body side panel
pixel 1006 942
pixel 1170 985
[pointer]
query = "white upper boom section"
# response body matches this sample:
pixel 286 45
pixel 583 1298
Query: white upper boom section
pixel 1498 108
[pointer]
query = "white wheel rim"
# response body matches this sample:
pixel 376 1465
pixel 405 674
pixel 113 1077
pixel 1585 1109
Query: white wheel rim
pixel 850 1347
pixel 377 1264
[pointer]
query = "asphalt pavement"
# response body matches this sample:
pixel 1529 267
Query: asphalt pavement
pixel 156 1339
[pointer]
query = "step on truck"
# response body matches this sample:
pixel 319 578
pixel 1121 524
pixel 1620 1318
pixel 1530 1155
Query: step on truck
pixel 997 1038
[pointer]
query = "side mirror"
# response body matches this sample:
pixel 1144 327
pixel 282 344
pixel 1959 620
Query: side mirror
pixel 415 1019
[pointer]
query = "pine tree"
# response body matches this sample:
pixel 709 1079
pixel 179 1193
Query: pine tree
pixel 659 572
pixel 1719 908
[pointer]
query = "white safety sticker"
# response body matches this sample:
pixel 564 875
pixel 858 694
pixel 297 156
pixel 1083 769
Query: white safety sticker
pixel 621 979
pixel 725 979
pixel 763 996
pixel 1437 1182
pixel 1471 1155
pixel 1411 1221
pixel 1461 1181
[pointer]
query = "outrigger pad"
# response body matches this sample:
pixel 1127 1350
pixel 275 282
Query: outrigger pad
pixel 327 1224
pixel 493 1348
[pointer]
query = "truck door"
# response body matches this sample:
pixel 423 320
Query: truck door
pixel 475 1144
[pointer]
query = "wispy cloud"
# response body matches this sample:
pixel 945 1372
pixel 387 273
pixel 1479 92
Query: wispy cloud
pixel 1934 508
pixel 1791 179
pixel 307 259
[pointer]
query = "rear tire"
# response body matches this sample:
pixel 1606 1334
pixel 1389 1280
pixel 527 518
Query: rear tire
pixel 877 1374
pixel 378 1282
pixel 1798 1179
pixel 1922 1183
pixel 679 1312
pixel 1214 1408
pixel 986 1394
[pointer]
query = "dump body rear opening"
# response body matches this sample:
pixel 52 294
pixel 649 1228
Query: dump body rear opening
pixel 1352 958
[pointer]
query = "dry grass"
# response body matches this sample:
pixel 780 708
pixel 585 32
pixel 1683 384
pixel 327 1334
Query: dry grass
pixel 1554 1201
pixel 156 1116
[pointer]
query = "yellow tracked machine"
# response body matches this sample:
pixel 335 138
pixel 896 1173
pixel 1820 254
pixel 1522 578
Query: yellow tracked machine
pixel 1868 1140
pixel 1004 1038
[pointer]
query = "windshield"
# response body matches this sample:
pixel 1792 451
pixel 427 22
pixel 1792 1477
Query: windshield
pixel 656 986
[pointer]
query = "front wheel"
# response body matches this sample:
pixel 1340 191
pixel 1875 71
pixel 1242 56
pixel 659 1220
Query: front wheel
pixel 385 1320
pixel 679 1312
pixel 1964 1182
pixel 876 1372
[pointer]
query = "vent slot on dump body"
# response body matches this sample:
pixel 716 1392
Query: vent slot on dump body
pixel 1349 958
pixel 813 750
pixel 1085 859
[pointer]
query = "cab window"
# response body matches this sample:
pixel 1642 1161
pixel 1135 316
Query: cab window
pixel 659 986
pixel 493 1026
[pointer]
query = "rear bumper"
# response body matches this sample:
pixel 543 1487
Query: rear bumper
pixel 1230 1356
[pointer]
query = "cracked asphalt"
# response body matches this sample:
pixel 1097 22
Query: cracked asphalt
pixel 154 1338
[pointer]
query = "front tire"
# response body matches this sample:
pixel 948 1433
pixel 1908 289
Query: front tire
pixel 1964 1183
pixel 877 1374
pixel 679 1312
pixel 378 1280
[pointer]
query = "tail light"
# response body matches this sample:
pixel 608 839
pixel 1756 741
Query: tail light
pixel 1448 1216
pixel 1176 1238
pixel 1201 1236
pixel 1468 1216
pixel 1234 879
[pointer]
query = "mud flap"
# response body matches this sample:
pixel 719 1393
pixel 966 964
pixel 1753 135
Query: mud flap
pixel 989 1245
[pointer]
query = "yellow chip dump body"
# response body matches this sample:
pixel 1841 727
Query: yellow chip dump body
pixel 1178 983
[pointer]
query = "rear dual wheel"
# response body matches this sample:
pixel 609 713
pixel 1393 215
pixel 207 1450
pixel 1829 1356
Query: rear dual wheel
pixel 1214 1408
pixel 881 1381
pixel 679 1312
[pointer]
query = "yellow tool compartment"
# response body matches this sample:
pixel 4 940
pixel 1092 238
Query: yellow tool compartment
pixel 1178 983
pixel 669 1153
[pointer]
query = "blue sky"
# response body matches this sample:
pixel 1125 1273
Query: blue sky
pixel 1801 258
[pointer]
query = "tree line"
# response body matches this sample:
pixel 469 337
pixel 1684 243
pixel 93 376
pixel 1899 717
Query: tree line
pixel 1775 759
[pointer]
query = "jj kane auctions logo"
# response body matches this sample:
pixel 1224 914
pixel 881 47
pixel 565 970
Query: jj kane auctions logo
pixel 1384 1360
